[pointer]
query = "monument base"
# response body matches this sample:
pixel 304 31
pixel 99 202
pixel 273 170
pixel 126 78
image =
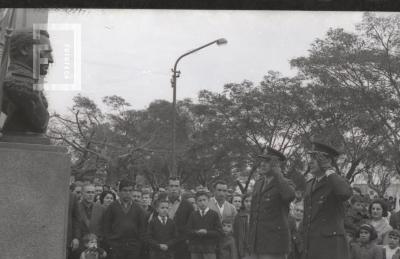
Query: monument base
pixel 25 138
pixel 34 183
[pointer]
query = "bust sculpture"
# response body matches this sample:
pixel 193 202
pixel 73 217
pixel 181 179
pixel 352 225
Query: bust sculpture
pixel 23 102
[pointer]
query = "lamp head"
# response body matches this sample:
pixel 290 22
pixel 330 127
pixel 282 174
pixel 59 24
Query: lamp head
pixel 222 41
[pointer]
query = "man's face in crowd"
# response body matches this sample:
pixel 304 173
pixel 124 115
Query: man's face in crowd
pixel 78 191
pixel 174 186
pixel 221 190
pixel 202 202
pixel 88 193
pixel 174 189
pixel 163 209
pixel 137 196
pixel 125 193
pixel 265 167
pixel 99 189
pixel 146 199
pixel 298 212
pixel 319 161
pixel 314 165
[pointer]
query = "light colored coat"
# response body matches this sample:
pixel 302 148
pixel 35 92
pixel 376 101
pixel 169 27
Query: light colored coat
pixel 228 212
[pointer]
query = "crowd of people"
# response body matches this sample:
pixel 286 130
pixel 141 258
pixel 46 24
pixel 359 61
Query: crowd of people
pixel 133 222
pixel 326 219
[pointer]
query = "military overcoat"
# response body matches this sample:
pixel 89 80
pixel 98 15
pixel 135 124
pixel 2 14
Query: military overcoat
pixel 269 228
pixel 323 222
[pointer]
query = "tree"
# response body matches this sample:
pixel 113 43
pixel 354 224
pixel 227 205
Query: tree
pixel 97 141
pixel 353 78
pixel 242 120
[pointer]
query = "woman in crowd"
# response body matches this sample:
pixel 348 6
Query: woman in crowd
pixel 106 198
pixel 241 227
pixel 378 212
pixel 237 201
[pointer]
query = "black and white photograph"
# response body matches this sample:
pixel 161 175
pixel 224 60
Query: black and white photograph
pixel 199 134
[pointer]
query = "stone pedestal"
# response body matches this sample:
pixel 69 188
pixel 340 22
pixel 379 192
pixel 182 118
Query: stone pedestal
pixel 33 201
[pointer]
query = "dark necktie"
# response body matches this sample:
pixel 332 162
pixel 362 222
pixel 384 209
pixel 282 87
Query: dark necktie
pixel 164 219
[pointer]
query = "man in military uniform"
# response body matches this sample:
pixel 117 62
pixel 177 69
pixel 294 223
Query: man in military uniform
pixel 269 236
pixel 24 104
pixel 326 192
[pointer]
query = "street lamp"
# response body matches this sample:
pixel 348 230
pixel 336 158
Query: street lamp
pixel 175 75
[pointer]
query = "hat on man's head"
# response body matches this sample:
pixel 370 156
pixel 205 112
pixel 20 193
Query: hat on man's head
pixel 319 147
pixel 273 153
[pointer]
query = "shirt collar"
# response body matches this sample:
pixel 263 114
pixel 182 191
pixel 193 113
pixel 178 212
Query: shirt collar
pixel 216 202
pixel 87 204
pixel 205 211
pixel 125 203
pixel 161 218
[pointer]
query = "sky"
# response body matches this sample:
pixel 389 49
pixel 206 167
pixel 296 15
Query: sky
pixel 130 53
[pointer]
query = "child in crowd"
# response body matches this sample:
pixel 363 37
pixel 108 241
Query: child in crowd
pixel 204 229
pixel 356 214
pixel 296 231
pixel 241 227
pixel 92 251
pixel 227 246
pixel 366 248
pixel 162 233
pixel 146 204
pixel 393 244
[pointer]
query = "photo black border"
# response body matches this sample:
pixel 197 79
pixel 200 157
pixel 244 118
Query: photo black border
pixel 305 5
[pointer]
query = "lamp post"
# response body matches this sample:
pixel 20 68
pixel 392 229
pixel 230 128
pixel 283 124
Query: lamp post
pixel 175 75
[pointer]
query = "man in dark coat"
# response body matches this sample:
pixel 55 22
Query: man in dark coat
pixel 179 210
pixel 326 193
pixel 87 218
pixel 269 236
pixel 124 225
